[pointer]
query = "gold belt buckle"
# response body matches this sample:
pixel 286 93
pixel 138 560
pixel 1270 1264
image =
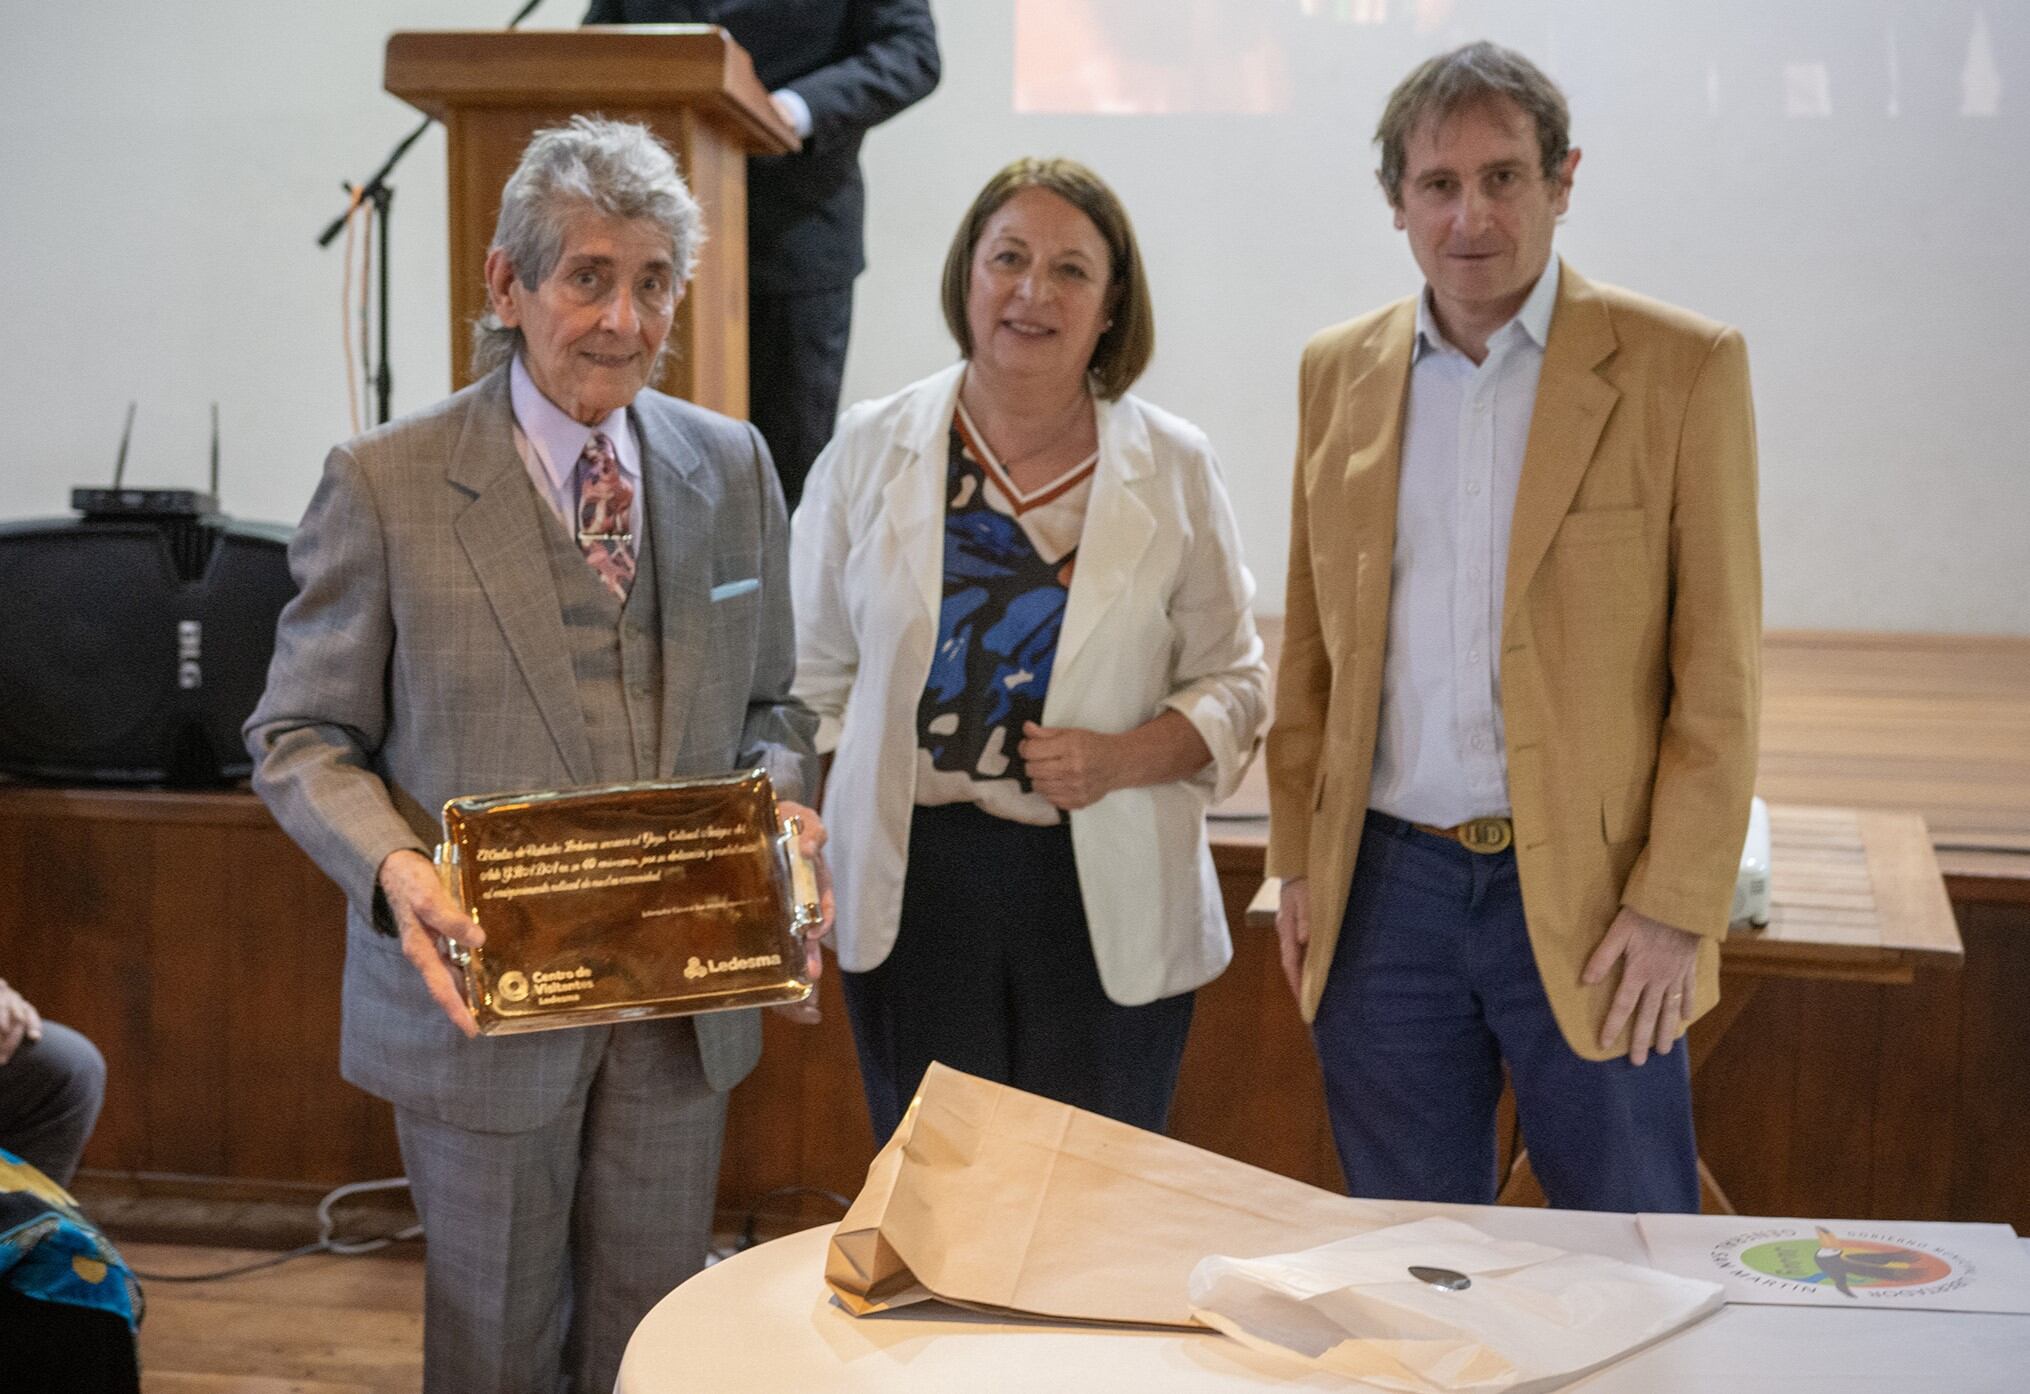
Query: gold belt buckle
pixel 1486 835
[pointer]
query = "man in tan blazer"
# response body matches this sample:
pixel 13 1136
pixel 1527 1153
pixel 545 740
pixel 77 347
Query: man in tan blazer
pixel 1516 716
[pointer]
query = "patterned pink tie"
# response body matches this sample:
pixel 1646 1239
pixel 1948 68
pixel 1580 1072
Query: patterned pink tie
pixel 605 515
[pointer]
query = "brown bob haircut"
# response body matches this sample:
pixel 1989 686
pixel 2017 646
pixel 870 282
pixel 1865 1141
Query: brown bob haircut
pixel 1473 76
pixel 1126 347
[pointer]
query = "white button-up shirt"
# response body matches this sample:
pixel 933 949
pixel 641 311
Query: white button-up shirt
pixel 550 443
pixel 1440 755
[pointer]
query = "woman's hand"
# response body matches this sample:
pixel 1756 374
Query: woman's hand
pixel 1075 768
pixel 1071 766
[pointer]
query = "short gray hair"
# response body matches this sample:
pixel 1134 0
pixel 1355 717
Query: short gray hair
pixel 615 168
pixel 1469 77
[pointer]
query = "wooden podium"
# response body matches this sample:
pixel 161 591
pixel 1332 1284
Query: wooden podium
pixel 689 83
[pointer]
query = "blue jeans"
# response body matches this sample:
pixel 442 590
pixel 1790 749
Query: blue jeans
pixel 1433 987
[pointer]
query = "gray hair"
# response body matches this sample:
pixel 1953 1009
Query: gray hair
pixel 615 168
pixel 1468 77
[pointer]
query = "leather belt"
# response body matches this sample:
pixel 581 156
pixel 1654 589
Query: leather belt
pixel 1483 835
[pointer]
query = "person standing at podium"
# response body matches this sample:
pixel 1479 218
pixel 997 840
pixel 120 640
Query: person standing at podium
pixel 1516 716
pixel 557 577
pixel 835 69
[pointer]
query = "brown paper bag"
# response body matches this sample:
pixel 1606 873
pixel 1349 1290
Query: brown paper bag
pixel 995 1199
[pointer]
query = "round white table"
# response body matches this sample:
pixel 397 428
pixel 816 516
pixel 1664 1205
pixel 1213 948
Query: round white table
pixel 762 1322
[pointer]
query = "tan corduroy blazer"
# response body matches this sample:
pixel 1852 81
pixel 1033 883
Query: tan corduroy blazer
pixel 1631 630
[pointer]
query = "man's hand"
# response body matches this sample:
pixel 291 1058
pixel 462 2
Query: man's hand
pixel 425 916
pixel 1293 931
pixel 783 110
pixel 18 1022
pixel 1072 767
pixel 1658 972
pixel 811 842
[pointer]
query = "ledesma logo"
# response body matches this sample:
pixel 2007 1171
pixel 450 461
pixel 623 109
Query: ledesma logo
pixel 1856 1264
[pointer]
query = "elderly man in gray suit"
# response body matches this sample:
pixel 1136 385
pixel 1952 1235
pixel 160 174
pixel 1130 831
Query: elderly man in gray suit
pixel 557 577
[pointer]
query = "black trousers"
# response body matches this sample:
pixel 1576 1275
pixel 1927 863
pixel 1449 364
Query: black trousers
pixel 796 356
pixel 993 973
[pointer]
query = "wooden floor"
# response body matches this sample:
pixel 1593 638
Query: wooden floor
pixel 318 1325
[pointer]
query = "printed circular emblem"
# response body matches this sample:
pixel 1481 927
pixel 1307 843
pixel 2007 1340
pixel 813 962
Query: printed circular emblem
pixel 695 970
pixel 1855 1263
pixel 513 986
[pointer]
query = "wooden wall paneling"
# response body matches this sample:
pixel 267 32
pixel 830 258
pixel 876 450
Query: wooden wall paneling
pixel 800 1118
pixel 200 951
pixel 764 1128
pixel 1833 1031
pixel 1743 1100
pixel 91 883
pixel 355 1131
pixel 196 953
pixel 271 1124
pixel 1249 1087
pixel 838 1140
pixel 1920 1030
pixel 1988 1131
pixel 57 951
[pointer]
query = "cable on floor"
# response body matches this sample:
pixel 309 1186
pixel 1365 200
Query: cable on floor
pixel 327 1242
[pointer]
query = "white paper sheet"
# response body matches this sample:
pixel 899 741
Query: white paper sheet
pixel 1880 1265
pixel 1532 1318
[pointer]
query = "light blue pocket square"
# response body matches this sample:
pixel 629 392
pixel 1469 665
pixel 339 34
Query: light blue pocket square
pixel 733 588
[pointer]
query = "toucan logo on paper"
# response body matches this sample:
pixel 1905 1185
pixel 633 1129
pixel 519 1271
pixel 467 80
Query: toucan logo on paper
pixel 1857 1264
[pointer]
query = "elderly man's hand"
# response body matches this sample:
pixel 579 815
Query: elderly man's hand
pixel 812 844
pixel 18 1022
pixel 1659 967
pixel 426 916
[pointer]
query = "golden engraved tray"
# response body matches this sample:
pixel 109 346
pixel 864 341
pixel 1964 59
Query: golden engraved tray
pixel 629 901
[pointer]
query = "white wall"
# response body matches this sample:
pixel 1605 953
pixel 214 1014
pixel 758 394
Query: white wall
pixel 164 170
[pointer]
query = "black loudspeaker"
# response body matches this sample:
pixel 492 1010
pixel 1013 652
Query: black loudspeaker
pixel 131 649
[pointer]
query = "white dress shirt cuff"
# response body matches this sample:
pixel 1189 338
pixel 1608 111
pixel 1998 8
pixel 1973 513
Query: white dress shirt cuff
pixel 799 111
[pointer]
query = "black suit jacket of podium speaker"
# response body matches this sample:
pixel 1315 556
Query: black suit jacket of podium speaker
pixel 855 63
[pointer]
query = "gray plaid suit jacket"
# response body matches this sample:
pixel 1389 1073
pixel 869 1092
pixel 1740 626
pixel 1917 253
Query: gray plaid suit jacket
pixel 424 657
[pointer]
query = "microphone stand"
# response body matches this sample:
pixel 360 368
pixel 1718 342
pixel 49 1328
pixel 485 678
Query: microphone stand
pixel 378 192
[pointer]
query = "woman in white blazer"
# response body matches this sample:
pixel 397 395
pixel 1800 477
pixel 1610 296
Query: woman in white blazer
pixel 1022 613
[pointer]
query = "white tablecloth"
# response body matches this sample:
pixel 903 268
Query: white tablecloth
pixel 762 1322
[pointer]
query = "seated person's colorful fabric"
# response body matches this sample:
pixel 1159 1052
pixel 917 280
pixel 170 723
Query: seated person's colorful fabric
pixel 69 1305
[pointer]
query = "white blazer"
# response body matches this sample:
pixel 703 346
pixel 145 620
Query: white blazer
pixel 1157 617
